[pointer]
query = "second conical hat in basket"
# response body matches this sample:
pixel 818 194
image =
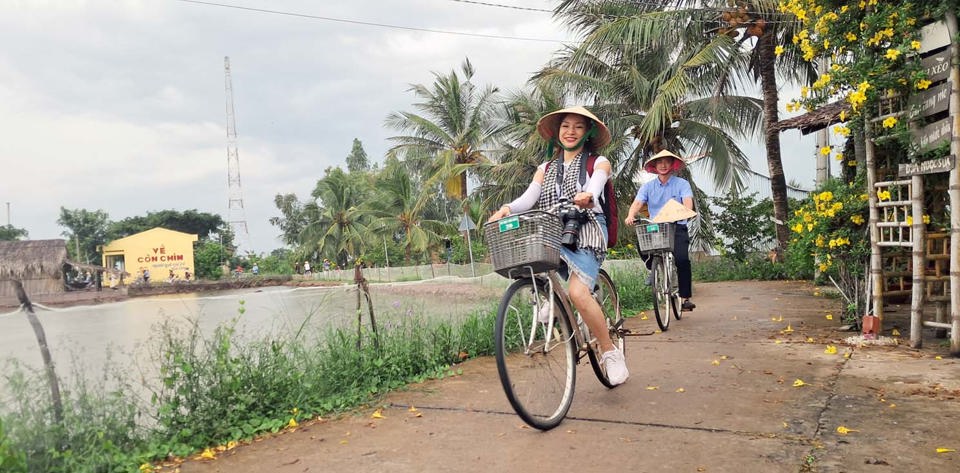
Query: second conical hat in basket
pixel 673 211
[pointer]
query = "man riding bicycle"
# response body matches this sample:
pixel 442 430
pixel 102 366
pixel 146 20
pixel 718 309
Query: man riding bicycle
pixel 655 194
pixel 578 134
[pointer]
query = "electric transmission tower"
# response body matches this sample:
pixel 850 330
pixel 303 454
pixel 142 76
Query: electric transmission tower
pixel 237 216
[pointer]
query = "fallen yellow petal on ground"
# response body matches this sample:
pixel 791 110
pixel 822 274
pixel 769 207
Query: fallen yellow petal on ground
pixel 945 450
pixel 829 316
pixel 377 414
pixel 292 423
pixel 715 363
pixel 831 350
pixel 789 329
pixel 798 382
pixel 652 388
pixel 895 333
pixel 681 390
pixel 844 430
pixel 412 409
pixel 207 455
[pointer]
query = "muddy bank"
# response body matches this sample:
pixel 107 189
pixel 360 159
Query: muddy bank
pixel 93 296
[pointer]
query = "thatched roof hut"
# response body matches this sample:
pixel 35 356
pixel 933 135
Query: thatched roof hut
pixel 31 259
pixel 816 120
pixel 39 264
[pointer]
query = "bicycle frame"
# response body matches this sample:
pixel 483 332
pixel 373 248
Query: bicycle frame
pixel 555 286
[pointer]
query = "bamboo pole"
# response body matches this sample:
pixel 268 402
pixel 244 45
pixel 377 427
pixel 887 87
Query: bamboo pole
pixel 954 189
pixel 44 351
pixel 918 237
pixel 876 272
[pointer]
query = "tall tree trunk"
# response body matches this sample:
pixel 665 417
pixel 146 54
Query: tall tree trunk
pixel 778 183
pixel 44 351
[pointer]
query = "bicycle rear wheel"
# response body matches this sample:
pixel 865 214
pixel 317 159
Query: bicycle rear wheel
pixel 661 292
pixel 606 294
pixel 538 376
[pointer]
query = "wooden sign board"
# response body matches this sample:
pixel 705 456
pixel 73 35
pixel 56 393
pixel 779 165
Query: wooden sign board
pixel 933 135
pixel 937 66
pixel 934 36
pixel 933 100
pixel 944 164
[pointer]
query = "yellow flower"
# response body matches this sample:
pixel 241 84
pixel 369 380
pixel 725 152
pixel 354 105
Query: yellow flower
pixel 825 196
pixel 798 382
pixel 909 220
pixel 889 122
pixel 825 151
pixel 923 84
pixel 831 350
pixel 857 219
pixel 883 195
pixel 843 115
pixel 851 37
pixel 779 50
pixel 915 45
pixel 839 156
pixel 798 228
pixel 892 54
pixel 926 219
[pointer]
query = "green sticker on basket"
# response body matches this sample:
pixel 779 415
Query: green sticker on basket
pixel 508 224
pixel 653 228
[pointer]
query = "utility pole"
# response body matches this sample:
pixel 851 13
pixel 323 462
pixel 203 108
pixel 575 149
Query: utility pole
pixel 823 140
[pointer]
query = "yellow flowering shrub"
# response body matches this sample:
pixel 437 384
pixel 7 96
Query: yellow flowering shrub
pixel 829 232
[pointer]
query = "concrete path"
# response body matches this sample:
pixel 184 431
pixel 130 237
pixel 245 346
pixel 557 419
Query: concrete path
pixel 746 383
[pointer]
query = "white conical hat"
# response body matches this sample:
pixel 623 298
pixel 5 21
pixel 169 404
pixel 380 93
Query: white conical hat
pixel 673 211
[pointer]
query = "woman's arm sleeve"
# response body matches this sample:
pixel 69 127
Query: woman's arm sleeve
pixel 595 184
pixel 527 200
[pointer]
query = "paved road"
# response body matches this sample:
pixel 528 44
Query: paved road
pixel 716 393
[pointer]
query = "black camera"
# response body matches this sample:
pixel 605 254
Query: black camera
pixel 572 217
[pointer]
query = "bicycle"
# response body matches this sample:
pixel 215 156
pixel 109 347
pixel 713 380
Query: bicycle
pixel 539 337
pixel 655 240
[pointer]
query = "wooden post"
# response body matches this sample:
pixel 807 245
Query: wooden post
pixel 44 351
pixel 918 237
pixel 954 187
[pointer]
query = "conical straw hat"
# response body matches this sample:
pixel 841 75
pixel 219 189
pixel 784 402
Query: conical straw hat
pixel 673 211
pixel 678 162
pixel 549 126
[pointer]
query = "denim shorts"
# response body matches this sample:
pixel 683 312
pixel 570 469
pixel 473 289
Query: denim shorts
pixel 585 263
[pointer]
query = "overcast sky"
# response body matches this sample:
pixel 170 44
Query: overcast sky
pixel 120 105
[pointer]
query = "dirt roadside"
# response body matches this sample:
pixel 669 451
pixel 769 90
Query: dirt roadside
pixel 747 382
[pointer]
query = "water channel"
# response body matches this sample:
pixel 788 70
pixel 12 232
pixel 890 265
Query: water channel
pixel 120 334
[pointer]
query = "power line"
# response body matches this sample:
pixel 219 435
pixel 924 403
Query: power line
pixel 369 23
pixel 503 6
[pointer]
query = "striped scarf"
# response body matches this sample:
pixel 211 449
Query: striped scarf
pixel 591 234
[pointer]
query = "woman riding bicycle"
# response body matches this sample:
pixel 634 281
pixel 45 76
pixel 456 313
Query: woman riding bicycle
pixel 656 194
pixel 578 133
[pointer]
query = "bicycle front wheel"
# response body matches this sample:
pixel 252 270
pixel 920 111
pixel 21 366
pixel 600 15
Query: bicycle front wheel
pixel 536 361
pixel 605 292
pixel 675 299
pixel 661 292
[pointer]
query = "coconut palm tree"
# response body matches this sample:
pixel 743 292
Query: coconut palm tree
pixel 340 228
pixel 735 42
pixel 399 210
pixel 451 126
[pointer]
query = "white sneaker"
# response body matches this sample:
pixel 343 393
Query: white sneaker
pixel 616 366
pixel 543 314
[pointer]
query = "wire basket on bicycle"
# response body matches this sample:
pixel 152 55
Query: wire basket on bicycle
pixel 525 239
pixel 655 236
